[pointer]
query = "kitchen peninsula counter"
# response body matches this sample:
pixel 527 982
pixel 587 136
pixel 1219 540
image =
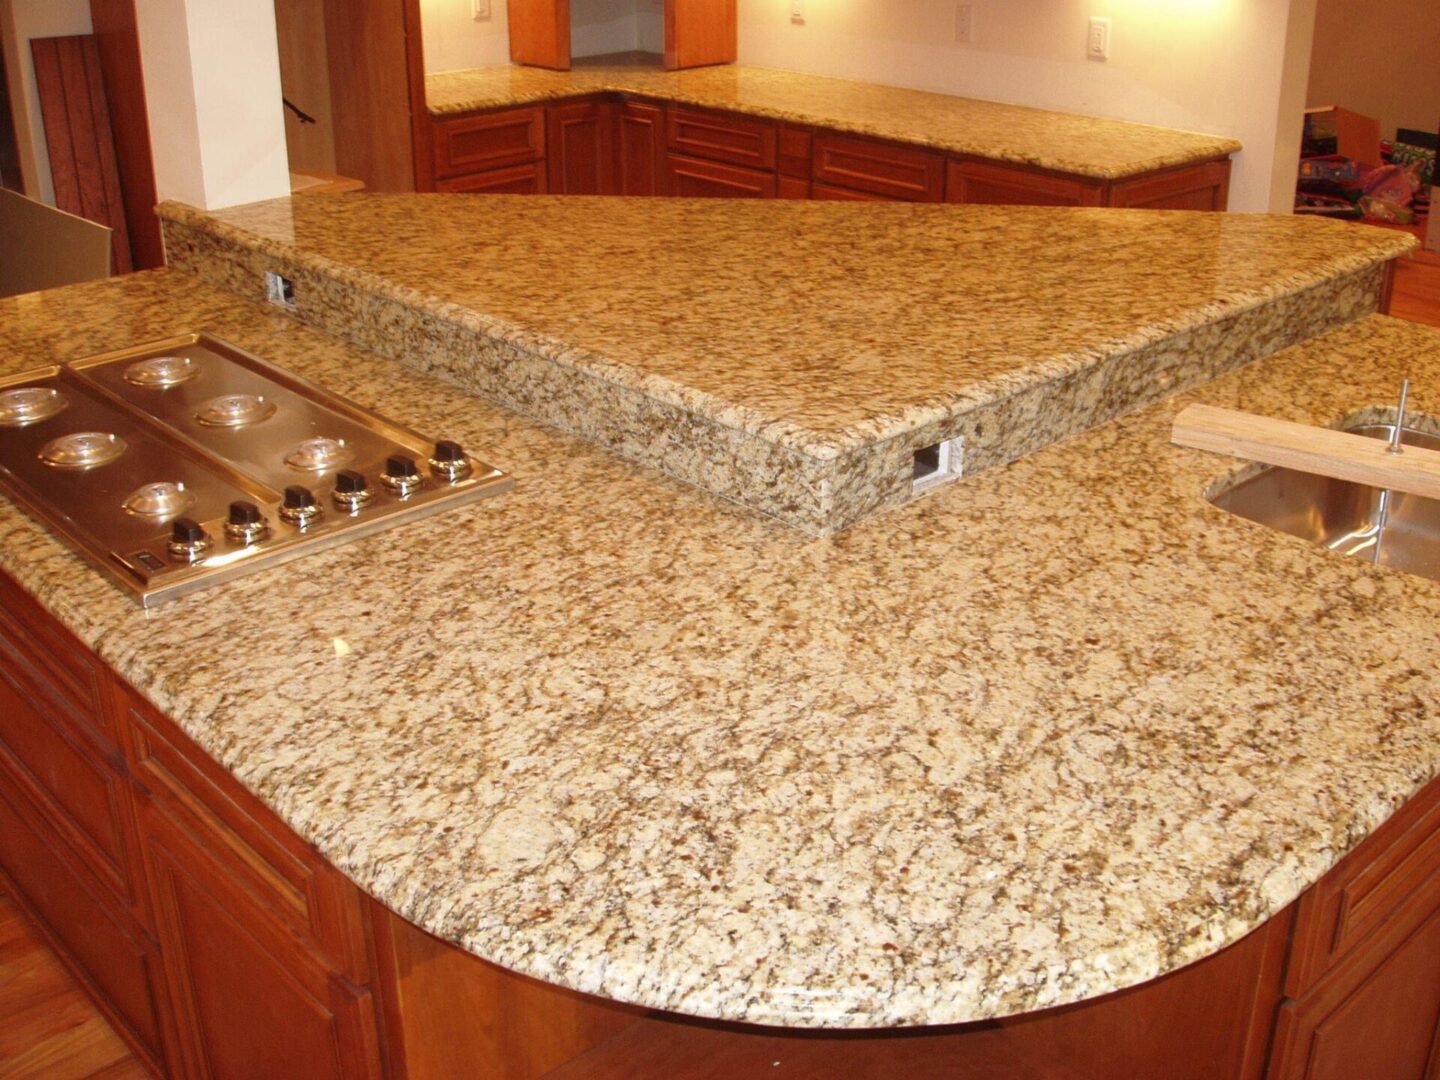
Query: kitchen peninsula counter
pixel 1053 730
pixel 1064 142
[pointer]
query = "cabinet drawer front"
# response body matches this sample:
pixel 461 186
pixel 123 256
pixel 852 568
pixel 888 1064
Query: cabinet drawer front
pixel 691 178
pixel 1376 887
pixel 51 663
pixel 900 172
pixel 721 137
pixel 288 880
pixel 1200 187
pixel 63 772
pixel 1003 185
pixel 840 194
pixel 489 141
pixel 526 179
pixel 116 959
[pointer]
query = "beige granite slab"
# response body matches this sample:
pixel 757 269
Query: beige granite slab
pixel 794 356
pixel 1002 748
pixel 1066 142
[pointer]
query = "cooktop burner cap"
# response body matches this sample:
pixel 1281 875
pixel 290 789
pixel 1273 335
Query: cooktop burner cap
pixel 82 450
pixel 318 454
pixel 30 404
pixel 159 500
pixel 235 410
pixel 162 371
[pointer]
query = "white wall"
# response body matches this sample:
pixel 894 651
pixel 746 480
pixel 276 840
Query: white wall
pixel 454 39
pixel 20 21
pixel 212 86
pixel 1203 65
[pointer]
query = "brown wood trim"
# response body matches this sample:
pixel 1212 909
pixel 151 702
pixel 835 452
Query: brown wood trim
pixel 1387 288
pixel 422 137
pixel 118 40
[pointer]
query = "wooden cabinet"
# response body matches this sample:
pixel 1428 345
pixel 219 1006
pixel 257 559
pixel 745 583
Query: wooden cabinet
pixel 693 178
pixel 489 141
pixel 640 149
pixel 1196 187
pixel 739 140
pixel 878 168
pixel 1005 185
pixel 697 32
pixel 528 179
pixel 839 194
pixel 580 155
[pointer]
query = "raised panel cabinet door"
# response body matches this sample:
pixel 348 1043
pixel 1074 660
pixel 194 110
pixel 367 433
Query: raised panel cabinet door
pixel 580 157
pixel 540 32
pixel 897 172
pixel 699 32
pixel 489 141
pixel 1007 185
pixel 640 149
pixel 693 178
pixel 1375 1020
pixel 528 179
pixel 1198 187
pixel 250 1003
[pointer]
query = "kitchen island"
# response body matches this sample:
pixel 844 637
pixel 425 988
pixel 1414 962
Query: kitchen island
pixel 1050 732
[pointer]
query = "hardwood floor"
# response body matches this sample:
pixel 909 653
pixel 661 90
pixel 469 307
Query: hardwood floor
pixel 1417 288
pixel 48 1028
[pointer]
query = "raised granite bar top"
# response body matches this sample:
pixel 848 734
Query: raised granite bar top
pixel 1066 142
pixel 1053 731
pixel 793 355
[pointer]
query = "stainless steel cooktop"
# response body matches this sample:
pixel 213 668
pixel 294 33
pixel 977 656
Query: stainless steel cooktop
pixel 182 463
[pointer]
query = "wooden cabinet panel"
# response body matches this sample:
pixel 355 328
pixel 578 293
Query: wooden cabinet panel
pixel 1375 886
pixel 640 149
pixel 489 141
pixel 1198 187
pixel 693 178
pixel 109 952
pixel 579 146
pixel 880 168
pixel 840 194
pixel 252 1002
pixel 83 795
pixel 539 32
pixel 1380 1023
pixel 528 179
pixel 740 140
pixel 700 32
pixel 286 878
pixel 1009 185
pixel 795 151
pixel 791 187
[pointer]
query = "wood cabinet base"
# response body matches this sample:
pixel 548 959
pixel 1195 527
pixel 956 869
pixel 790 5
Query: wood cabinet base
pixel 225 946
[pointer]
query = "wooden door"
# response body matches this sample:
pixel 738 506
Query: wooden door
pixel 699 32
pixel 251 1002
pixel 579 148
pixel 640 149
pixel 540 33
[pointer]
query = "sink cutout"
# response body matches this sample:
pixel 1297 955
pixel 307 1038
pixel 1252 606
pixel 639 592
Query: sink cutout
pixel 1387 528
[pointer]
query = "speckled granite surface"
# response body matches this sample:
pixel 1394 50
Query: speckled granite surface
pixel 1005 747
pixel 793 356
pixel 1083 145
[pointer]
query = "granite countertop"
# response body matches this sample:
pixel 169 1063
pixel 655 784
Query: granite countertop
pixel 1053 731
pixel 793 355
pixel 1065 142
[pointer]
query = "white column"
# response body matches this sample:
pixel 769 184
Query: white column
pixel 212 86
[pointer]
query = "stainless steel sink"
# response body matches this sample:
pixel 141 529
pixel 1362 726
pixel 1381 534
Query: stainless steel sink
pixel 1389 528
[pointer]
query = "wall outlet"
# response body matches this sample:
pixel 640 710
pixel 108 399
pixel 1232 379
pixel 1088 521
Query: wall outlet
pixel 1097 42
pixel 479 10
pixel 797 11
pixel 279 290
pixel 964 24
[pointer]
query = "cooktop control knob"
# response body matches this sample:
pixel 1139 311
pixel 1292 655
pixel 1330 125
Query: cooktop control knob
pixel 245 523
pixel 449 461
pixel 401 474
pixel 299 507
pixel 188 539
pixel 352 491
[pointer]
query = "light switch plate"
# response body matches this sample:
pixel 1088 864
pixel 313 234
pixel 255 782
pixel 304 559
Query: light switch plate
pixel 1097 41
pixel 797 11
pixel 479 9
